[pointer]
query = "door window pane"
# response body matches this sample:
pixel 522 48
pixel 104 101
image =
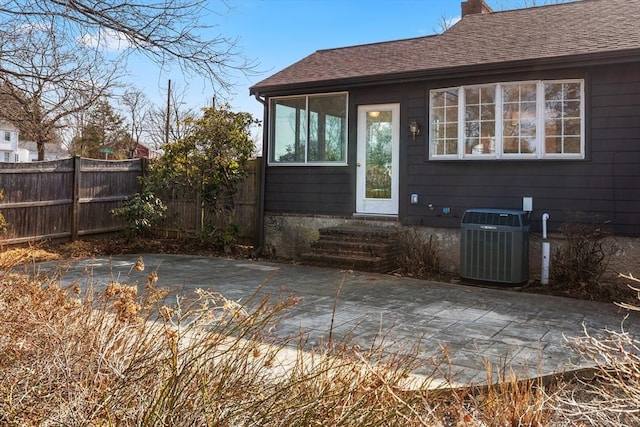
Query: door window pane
pixel 378 154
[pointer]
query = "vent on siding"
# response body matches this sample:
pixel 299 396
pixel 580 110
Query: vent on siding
pixel 494 246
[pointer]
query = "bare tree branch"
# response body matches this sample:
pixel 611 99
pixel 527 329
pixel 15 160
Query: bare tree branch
pixel 168 32
pixel 46 80
pixel 58 57
pixel 136 104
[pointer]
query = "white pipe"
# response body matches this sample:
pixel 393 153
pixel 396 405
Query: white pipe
pixel 545 218
pixel 546 251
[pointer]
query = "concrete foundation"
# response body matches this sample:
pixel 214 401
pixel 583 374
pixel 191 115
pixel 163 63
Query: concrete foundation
pixel 288 236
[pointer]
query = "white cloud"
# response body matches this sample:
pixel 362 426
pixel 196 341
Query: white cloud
pixel 106 39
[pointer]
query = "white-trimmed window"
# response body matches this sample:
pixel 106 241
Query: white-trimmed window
pixel 308 129
pixel 519 120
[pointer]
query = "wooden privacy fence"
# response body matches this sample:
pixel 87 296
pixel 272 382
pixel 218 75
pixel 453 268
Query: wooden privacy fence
pixel 74 197
pixel 186 217
pixel 65 198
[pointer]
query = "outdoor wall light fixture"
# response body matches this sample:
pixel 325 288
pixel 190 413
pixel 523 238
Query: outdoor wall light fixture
pixel 414 129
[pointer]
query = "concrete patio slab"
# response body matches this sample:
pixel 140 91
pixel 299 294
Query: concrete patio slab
pixel 474 325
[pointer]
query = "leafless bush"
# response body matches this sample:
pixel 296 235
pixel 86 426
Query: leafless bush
pixel 417 256
pixel 581 261
pixel 612 396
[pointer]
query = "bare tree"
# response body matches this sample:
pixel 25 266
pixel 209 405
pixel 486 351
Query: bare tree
pixel 166 31
pixel 47 80
pixel 136 104
pixel 156 123
pixel 444 23
pixel 58 57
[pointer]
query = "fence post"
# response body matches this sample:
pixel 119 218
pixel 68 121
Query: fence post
pixel 75 204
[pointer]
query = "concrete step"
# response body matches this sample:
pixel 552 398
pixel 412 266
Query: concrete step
pixel 347 247
pixel 358 233
pixel 354 248
pixel 359 263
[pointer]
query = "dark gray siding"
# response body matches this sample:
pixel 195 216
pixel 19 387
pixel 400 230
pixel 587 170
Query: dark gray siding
pixel 604 188
pixel 310 190
pixel 322 190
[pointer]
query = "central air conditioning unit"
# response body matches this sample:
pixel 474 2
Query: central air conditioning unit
pixel 494 246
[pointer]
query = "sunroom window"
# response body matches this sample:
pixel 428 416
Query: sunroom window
pixel 309 129
pixel 533 119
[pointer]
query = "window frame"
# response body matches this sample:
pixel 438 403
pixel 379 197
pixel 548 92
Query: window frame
pixel 540 152
pixel 308 120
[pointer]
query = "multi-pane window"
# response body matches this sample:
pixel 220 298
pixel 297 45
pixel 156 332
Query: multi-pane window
pixel 444 112
pixel 309 129
pixel 480 120
pixel 539 119
pixel 562 118
pixel 519 118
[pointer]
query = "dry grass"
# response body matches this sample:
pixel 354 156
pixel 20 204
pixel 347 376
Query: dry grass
pixel 20 256
pixel 135 356
pixel 612 396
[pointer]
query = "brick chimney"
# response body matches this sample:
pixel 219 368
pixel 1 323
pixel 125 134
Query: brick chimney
pixel 471 7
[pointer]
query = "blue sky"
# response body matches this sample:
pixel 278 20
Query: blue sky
pixel 277 33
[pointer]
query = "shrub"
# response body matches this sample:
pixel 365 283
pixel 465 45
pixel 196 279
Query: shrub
pixel 223 237
pixel 417 257
pixel 583 258
pixel 142 213
pixel 209 162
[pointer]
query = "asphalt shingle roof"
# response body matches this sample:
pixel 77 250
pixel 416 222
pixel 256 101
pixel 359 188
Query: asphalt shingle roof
pixel 587 27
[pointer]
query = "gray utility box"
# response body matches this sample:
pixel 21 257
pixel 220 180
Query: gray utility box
pixel 494 245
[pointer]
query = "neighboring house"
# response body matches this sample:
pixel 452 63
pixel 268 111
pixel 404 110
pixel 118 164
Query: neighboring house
pixel 145 151
pixel 52 151
pixel 537 106
pixel 8 143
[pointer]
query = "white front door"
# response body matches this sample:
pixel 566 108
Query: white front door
pixel 377 164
